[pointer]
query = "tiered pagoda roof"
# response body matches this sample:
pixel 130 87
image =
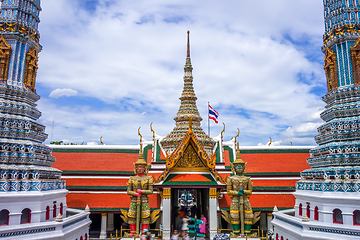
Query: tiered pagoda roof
pixel 187 110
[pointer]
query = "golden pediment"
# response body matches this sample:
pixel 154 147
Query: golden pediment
pixel 189 161
pixel 189 156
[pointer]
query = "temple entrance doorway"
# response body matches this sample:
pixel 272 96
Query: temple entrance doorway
pixel 191 202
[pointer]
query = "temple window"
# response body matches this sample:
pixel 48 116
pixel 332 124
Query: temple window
pixel 308 211
pixel 316 214
pixel 300 209
pixel 4 217
pixel 54 211
pixel 356 217
pixel 337 216
pixel 25 216
pixel 47 213
pixel 61 208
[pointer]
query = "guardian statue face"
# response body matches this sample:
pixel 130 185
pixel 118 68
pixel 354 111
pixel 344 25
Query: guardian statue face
pixel 140 169
pixel 239 168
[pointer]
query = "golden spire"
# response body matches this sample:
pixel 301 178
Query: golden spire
pixel 187 110
pixel 188 44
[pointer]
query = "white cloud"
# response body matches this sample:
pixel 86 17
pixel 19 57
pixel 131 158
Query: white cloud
pixel 251 61
pixel 67 92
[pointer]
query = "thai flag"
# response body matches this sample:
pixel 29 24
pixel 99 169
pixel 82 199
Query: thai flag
pixel 213 114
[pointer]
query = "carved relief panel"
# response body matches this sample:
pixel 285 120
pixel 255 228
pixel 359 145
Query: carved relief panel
pixel 5 53
pixel 330 68
pixel 31 68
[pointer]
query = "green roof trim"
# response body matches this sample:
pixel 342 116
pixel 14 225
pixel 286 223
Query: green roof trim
pixel 275 188
pixel 208 176
pixel 171 176
pixel 231 154
pixel 83 150
pixel 99 172
pixel 273 174
pixel 145 153
pixel 96 187
pixel 217 153
pixel 252 151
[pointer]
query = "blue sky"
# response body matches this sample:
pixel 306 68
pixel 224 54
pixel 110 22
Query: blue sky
pixel 109 67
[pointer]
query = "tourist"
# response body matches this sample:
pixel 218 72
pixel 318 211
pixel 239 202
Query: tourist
pixel 178 221
pixel 185 236
pixel 175 236
pixel 185 220
pixel 203 227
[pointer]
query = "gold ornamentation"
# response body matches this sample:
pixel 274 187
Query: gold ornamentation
pixel 166 193
pixel 189 159
pixel 154 215
pixel 237 135
pixel 330 68
pixel 152 131
pixel 190 140
pixel 5 53
pixel 103 214
pixel 31 68
pixel 213 193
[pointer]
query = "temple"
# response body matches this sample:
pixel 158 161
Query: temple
pixel 328 194
pixel 32 194
pixel 189 170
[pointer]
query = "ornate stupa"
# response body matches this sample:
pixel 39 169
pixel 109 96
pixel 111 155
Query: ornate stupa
pixel 328 194
pixel 32 194
pixel 187 110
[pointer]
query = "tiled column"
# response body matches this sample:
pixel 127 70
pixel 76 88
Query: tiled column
pixel 103 226
pixel 166 212
pixel 213 219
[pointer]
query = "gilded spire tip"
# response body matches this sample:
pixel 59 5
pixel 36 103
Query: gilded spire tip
pixel 188 44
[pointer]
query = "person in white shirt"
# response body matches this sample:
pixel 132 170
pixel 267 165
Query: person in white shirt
pixel 175 236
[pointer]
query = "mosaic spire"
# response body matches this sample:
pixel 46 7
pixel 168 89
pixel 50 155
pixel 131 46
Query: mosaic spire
pixel 187 110
pixel 337 156
pixel 19 28
pixel 25 161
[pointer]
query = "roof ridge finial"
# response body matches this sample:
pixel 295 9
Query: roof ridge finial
pixel 188 44
pixel 141 159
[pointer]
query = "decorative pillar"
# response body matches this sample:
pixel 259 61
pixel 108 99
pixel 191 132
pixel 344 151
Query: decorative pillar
pixel 213 219
pixel 166 212
pixel 110 222
pixel 103 225
pixel 269 219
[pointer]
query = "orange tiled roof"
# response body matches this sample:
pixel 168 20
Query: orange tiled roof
pixel 95 161
pixel 106 200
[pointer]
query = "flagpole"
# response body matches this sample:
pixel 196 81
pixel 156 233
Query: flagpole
pixel 208 119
